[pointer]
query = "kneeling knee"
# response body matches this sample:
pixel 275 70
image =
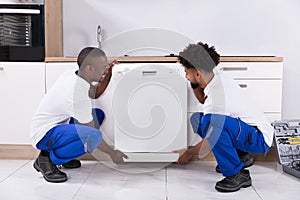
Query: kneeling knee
pixel 94 140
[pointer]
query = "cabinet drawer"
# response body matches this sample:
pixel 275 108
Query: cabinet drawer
pixel 252 70
pixel 22 86
pixel 266 94
pixel 54 70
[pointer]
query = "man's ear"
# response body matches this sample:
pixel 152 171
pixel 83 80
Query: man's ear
pixel 198 75
pixel 89 67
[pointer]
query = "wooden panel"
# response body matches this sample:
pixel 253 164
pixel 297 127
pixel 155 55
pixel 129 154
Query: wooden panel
pixel 53 28
pixel 251 59
pixel 9 151
pixel 270 157
pixel 12 151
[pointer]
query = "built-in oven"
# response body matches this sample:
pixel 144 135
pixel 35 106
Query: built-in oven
pixel 22 32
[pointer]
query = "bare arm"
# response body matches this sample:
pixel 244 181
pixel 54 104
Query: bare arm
pixel 116 155
pixel 91 124
pixel 98 89
pixel 188 154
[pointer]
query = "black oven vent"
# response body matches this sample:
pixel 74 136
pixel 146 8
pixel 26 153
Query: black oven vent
pixel 15 30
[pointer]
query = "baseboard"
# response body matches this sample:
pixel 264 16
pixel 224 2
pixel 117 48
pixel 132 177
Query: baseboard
pixel 27 152
pixel 270 157
pixel 11 151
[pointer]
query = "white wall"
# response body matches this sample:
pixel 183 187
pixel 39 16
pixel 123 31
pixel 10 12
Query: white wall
pixel 269 27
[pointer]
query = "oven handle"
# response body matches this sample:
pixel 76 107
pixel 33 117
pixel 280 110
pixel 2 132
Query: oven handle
pixel 19 11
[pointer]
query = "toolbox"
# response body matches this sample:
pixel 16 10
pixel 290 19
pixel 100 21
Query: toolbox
pixel 287 144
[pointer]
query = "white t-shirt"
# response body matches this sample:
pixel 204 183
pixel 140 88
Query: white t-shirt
pixel 225 97
pixel 67 98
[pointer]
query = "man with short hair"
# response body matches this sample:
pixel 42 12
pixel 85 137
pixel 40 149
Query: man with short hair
pixel 65 126
pixel 230 124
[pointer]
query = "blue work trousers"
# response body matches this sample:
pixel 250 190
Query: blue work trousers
pixel 225 135
pixel 68 141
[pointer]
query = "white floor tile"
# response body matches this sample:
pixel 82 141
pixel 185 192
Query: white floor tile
pixel 27 183
pixel 94 180
pixel 197 181
pixel 8 167
pixel 111 184
pixel 271 183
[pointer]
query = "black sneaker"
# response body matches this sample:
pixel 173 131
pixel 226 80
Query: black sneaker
pixel 49 170
pixel 245 158
pixel 72 164
pixel 234 183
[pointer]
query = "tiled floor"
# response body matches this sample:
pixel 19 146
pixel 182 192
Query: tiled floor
pixel 95 180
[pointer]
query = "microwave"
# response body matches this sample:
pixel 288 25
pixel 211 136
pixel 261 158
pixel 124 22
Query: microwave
pixel 22 32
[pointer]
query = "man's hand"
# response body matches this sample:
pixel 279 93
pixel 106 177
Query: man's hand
pixel 117 156
pixel 184 156
pixel 98 89
pixel 108 71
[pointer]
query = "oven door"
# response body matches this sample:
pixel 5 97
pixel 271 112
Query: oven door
pixel 22 33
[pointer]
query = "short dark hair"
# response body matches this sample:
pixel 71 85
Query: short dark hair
pixel 199 56
pixel 85 55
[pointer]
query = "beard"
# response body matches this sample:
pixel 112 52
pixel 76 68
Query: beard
pixel 194 85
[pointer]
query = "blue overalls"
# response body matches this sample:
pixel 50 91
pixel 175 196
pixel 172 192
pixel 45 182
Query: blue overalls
pixel 226 134
pixel 69 141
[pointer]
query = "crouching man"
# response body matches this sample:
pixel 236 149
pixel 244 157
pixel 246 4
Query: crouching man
pixel 230 123
pixel 65 126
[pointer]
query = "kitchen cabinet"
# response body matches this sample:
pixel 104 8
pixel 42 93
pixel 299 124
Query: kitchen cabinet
pixel 55 69
pixel 262 82
pixel 22 86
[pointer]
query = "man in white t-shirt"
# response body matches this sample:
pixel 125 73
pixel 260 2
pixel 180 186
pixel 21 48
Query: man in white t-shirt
pixel 65 126
pixel 230 124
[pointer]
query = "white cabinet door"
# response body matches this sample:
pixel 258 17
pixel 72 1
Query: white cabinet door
pixel 22 86
pixel 262 81
pixel 266 94
pixel 55 69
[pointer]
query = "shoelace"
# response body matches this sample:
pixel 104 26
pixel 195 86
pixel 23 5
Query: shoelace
pixel 55 169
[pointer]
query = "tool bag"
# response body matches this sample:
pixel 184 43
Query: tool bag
pixel 287 144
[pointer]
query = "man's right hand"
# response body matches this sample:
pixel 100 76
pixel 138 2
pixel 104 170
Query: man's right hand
pixel 184 156
pixel 117 156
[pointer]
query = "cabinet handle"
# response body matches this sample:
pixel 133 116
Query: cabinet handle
pixel 243 85
pixel 1 69
pixel 234 68
pixel 19 11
